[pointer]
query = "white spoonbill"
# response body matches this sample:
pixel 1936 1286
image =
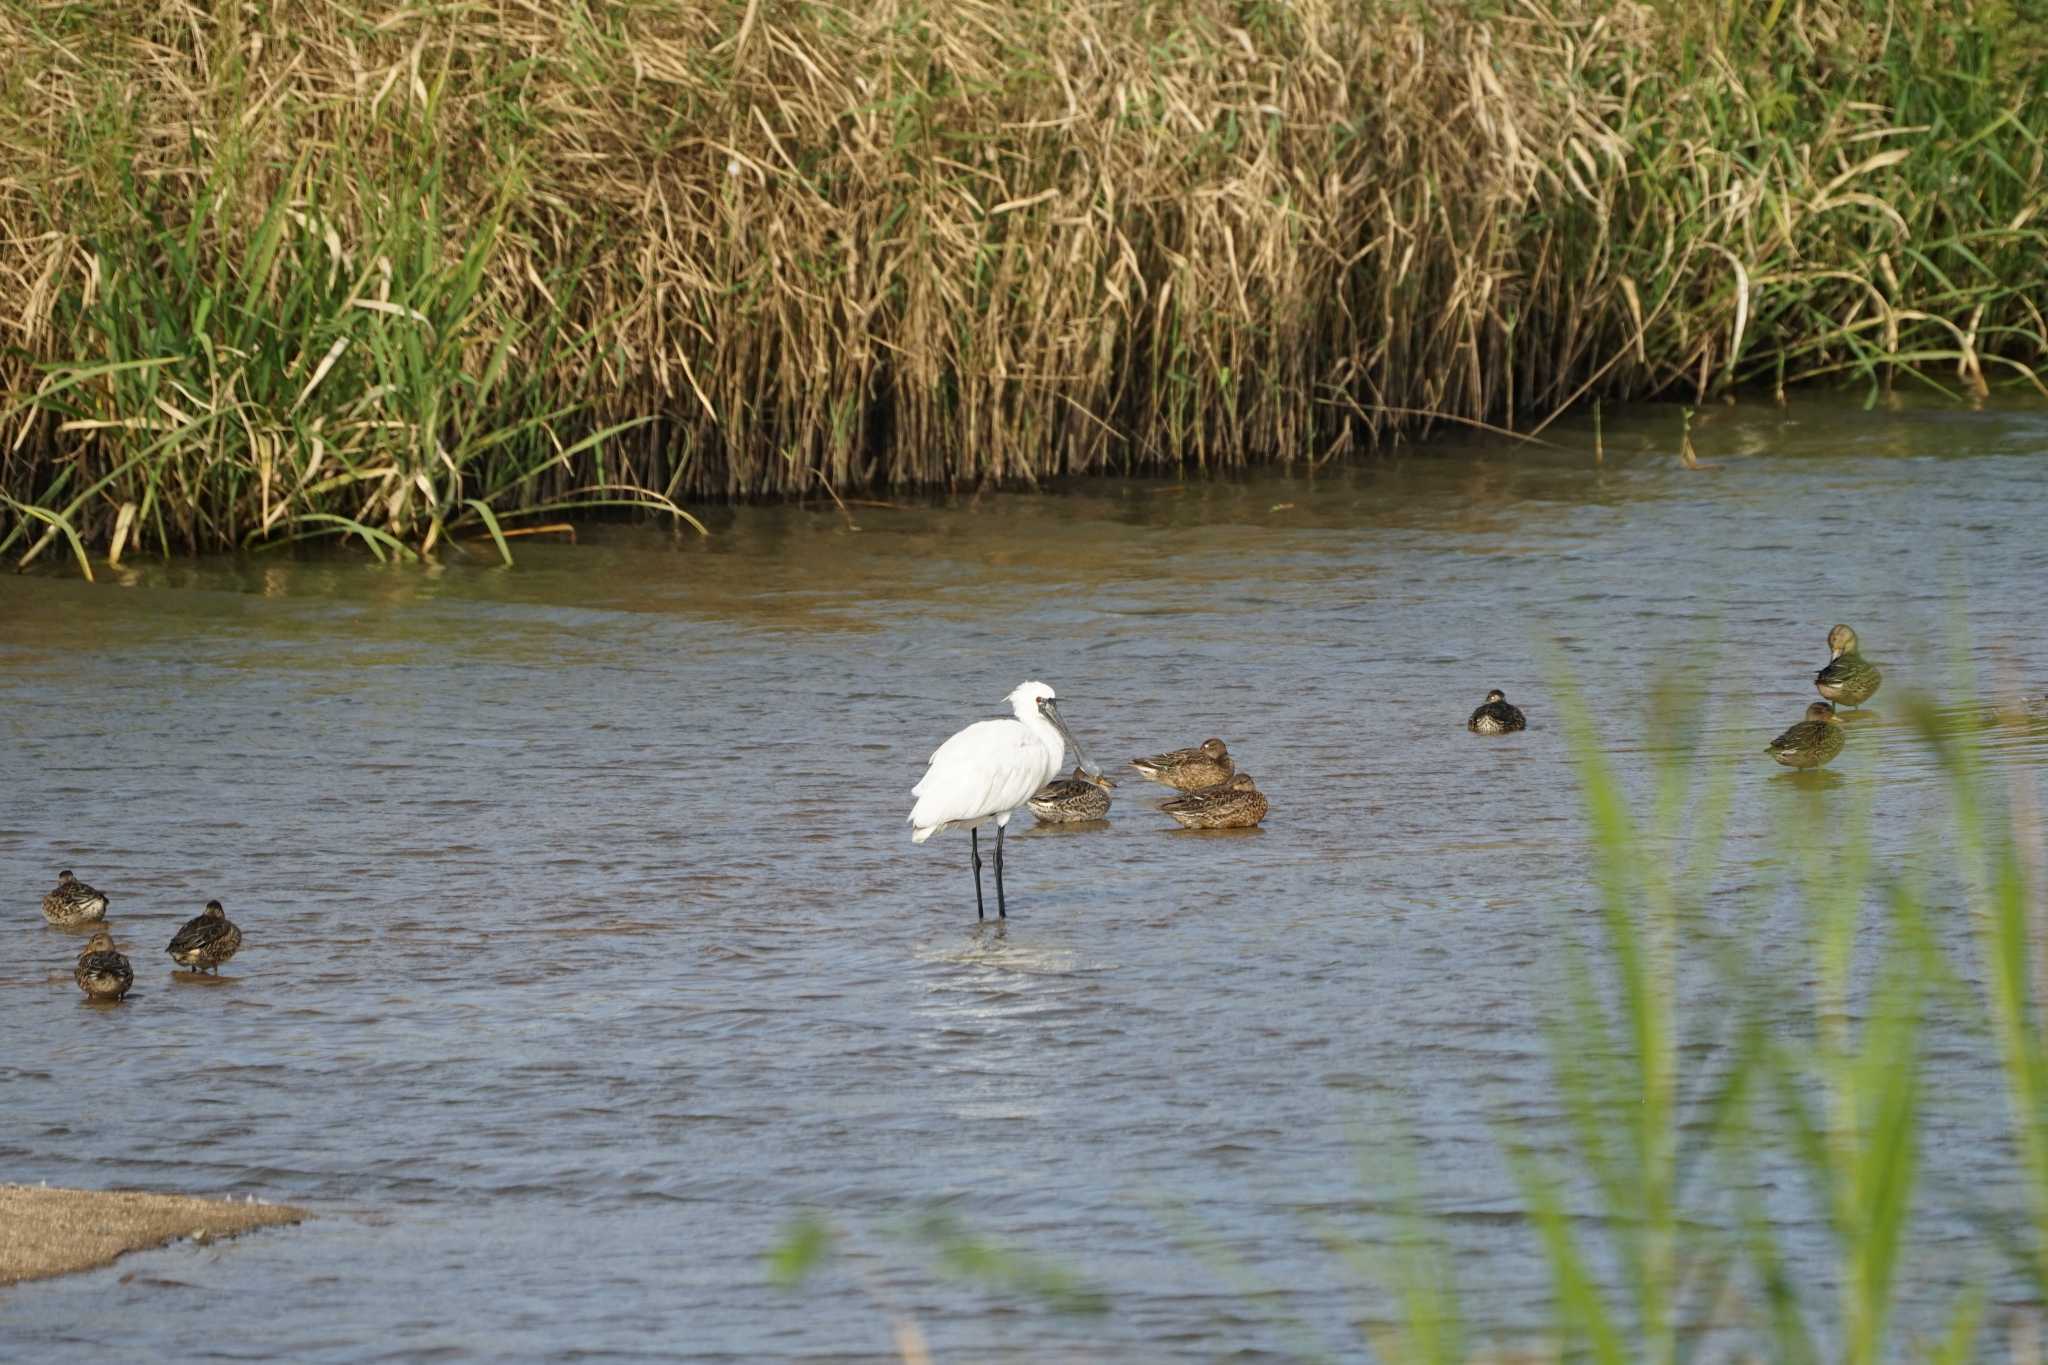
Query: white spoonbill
pixel 989 770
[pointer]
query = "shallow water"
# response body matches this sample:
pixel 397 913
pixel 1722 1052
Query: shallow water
pixel 586 948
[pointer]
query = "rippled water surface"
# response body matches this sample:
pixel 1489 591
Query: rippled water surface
pixel 587 949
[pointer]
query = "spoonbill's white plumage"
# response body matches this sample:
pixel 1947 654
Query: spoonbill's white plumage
pixel 988 770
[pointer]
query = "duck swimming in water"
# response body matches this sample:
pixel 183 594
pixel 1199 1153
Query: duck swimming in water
pixel 1235 803
pixel 1189 769
pixel 73 902
pixel 1496 716
pixel 1849 678
pixel 102 973
pixel 207 940
pixel 1812 742
pixel 1068 800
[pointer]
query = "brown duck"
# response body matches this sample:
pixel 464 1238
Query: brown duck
pixel 1812 742
pixel 1068 800
pixel 73 902
pixel 1497 716
pixel 1189 769
pixel 1849 678
pixel 207 940
pixel 102 973
pixel 1235 803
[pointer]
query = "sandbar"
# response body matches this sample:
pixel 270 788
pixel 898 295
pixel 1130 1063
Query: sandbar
pixel 46 1232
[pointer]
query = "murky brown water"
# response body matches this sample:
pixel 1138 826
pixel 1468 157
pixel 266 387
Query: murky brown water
pixel 586 946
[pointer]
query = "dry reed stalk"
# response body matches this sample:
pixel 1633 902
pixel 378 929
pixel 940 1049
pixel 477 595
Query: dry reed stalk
pixel 895 245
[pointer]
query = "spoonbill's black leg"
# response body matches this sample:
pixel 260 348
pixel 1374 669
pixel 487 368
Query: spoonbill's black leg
pixel 974 849
pixel 1002 911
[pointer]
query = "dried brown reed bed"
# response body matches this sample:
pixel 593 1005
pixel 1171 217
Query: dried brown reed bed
pixel 826 247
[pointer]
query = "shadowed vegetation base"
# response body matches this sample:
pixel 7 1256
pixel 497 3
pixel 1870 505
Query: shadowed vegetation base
pixel 292 270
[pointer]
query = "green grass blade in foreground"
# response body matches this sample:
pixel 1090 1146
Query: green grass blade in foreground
pixel 1960 1345
pixel 1619 1080
pixel 962 1254
pixel 1999 859
pixel 1871 1152
pixel 1581 1309
pixel 490 521
pixel 378 541
pixel 811 1244
pixel 644 498
pixel 1850 1114
pixel 805 1246
pixel 1791 1340
pixel 57 524
pixel 49 495
pixel 1417 1266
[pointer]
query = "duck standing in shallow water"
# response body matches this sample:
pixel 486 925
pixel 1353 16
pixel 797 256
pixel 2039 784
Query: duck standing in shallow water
pixel 73 902
pixel 1236 803
pixel 1849 679
pixel 1812 742
pixel 1189 769
pixel 1069 800
pixel 1496 716
pixel 102 973
pixel 206 940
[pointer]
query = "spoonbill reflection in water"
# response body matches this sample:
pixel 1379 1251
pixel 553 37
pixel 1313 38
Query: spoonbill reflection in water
pixel 990 769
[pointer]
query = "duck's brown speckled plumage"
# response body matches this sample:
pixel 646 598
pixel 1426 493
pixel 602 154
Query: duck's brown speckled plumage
pixel 1849 679
pixel 73 902
pixel 1235 803
pixel 1496 716
pixel 207 940
pixel 1812 742
pixel 1067 800
pixel 1189 769
pixel 102 973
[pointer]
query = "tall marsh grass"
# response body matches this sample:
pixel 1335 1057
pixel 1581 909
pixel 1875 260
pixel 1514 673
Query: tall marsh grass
pixel 289 269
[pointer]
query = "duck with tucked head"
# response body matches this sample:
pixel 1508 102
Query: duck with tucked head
pixel 1812 742
pixel 1235 803
pixel 1069 800
pixel 73 902
pixel 1496 716
pixel 207 940
pixel 102 973
pixel 1849 679
pixel 1189 769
